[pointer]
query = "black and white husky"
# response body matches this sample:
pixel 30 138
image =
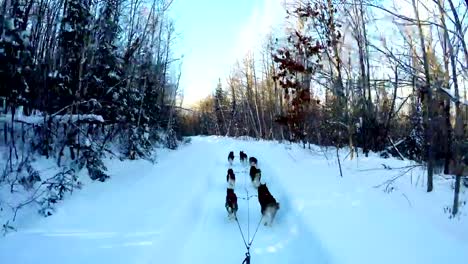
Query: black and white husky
pixel 253 161
pixel 243 157
pixel 231 157
pixel 231 178
pixel 255 176
pixel 231 203
pixel 269 205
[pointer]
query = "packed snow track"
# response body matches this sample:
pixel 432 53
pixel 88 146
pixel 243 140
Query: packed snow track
pixel 173 212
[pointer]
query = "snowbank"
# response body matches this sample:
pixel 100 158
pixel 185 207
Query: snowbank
pixel 37 119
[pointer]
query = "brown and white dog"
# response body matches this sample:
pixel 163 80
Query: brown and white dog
pixel 268 204
pixel 231 178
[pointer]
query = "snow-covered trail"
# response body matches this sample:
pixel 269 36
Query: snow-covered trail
pixel 216 239
pixel 170 212
pixel 173 212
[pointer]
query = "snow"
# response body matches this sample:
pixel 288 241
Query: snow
pixel 113 74
pixel 53 74
pixel 9 23
pixel 67 27
pixel 38 119
pixel 173 212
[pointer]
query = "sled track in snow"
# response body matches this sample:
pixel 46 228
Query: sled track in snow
pixel 217 239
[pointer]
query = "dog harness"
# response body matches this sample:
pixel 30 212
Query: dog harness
pixel 231 199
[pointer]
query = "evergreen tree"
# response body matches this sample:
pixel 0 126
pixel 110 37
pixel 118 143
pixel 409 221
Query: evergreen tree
pixel 220 104
pixel 15 56
pixel 74 36
pixel 105 75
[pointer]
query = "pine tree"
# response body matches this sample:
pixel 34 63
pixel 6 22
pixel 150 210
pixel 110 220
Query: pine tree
pixel 74 36
pixel 104 78
pixel 15 56
pixel 220 104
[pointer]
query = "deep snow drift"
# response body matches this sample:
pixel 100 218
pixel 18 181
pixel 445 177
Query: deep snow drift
pixel 173 212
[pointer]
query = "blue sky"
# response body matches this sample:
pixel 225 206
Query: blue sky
pixel 213 34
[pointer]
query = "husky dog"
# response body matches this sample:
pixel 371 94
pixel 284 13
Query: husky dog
pixel 253 161
pixel 255 176
pixel 269 205
pixel 243 157
pixel 231 178
pixel 231 157
pixel 231 203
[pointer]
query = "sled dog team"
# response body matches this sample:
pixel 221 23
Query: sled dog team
pixel 268 204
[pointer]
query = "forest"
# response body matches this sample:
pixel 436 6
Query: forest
pixel 379 76
pixel 76 76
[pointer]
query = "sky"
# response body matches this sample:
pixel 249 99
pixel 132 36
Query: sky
pixel 213 34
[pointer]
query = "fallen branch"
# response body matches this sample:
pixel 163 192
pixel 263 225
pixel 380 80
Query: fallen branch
pixel 386 167
pixel 347 155
pixel 395 147
pixel 39 192
pixel 452 97
pixel 390 181
pixel 339 123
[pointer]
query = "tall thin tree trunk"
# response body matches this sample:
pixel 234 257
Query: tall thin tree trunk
pixel 256 98
pixel 447 50
pixel 392 108
pixel 456 194
pixel 427 100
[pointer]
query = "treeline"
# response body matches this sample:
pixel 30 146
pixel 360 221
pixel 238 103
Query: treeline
pixel 359 74
pixel 78 77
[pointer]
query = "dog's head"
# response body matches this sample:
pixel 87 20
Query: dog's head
pixel 262 187
pixel 230 172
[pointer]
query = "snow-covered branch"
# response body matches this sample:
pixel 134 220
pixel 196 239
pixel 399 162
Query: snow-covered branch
pixel 452 97
pixel 33 120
